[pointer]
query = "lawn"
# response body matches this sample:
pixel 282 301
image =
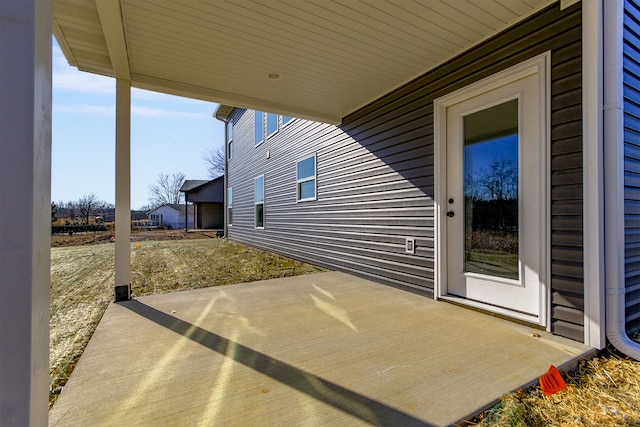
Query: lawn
pixel 82 281
pixel 604 391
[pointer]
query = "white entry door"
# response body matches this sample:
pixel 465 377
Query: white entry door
pixel 494 195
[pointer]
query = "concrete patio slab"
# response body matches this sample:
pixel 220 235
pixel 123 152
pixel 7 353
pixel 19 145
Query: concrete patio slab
pixel 322 349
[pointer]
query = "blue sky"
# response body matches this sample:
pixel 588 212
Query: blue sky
pixel 480 155
pixel 169 134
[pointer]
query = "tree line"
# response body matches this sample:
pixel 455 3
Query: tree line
pixel 166 190
pixel 81 210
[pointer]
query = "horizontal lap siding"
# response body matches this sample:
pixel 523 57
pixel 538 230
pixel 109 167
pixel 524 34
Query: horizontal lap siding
pixel 376 172
pixel 368 198
pixel 631 90
pixel 567 276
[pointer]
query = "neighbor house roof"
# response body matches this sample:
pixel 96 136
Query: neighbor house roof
pixel 191 184
pixel 175 206
pixel 308 59
pixel 198 191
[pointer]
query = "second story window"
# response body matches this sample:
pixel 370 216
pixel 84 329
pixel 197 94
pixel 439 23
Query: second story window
pixel 230 206
pixel 259 201
pixel 306 179
pixel 259 127
pixel 272 124
pixel 230 139
pixel 267 124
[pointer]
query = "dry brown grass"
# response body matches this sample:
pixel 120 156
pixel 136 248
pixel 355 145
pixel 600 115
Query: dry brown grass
pixel 82 283
pixel 604 391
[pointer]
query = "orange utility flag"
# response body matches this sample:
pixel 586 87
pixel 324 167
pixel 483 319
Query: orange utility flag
pixel 552 382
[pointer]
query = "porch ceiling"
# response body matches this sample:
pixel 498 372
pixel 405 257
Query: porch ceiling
pixel 331 57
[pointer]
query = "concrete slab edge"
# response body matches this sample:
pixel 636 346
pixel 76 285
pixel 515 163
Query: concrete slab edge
pixel 569 366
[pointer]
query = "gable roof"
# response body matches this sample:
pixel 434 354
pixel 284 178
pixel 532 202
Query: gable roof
pixel 197 191
pixel 175 206
pixel 191 184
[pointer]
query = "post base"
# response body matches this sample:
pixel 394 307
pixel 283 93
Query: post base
pixel 123 293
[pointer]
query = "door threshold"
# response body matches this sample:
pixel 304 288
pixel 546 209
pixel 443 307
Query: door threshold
pixel 496 311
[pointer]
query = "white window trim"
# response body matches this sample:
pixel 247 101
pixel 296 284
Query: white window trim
pixel 540 64
pixel 314 177
pixel 255 203
pixel 255 115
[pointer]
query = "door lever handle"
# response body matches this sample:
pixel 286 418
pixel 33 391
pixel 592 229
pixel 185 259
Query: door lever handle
pixel 450 214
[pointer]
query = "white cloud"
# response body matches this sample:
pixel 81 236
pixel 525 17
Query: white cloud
pixel 86 109
pixel 163 113
pixel 137 111
pixel 148 95
pixel 69 79
pixel 66 77
pixel 72 79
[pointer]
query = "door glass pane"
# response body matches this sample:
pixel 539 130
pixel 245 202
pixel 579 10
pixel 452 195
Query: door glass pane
pixel 491 191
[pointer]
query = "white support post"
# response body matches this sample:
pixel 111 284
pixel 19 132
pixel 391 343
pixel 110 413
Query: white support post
pixel 25 221
pixel 593 173
pixel 123 190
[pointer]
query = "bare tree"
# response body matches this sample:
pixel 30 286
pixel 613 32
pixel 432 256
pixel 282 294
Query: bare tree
pixel 215 159
pixel 166 189
pixel 54 212
pixel 71 210
pixel 87 206
pixel 145 208
pixel 500 182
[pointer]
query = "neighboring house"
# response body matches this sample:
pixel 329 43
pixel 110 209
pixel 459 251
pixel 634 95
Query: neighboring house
pixel 465 184
pixel 171 215
pixel 207 198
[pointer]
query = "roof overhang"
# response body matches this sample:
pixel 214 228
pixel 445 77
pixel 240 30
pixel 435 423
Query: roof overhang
pixel 311 59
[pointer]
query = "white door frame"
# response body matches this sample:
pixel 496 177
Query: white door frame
pixel 540 65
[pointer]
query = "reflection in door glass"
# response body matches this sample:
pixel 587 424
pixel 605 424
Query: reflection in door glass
pixel 491 191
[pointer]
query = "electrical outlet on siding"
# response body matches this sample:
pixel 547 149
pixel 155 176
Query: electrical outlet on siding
pixel 410 245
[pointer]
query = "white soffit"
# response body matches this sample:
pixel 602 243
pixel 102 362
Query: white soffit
pixel 330 57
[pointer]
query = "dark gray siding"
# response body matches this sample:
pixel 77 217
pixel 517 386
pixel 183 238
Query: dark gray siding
pixel 567 279
pixel 631 90
pixel 211 215
pixel 212 191
pixel 375 172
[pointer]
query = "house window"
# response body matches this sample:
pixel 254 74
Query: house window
pixel 259 201
pixel 306 178
pixel 156 220
pixel 272 124
pixel 286 119
pixel 259 127
pixel 230 139
pixel 230 206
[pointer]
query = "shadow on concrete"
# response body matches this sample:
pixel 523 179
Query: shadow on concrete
pixel 357 405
